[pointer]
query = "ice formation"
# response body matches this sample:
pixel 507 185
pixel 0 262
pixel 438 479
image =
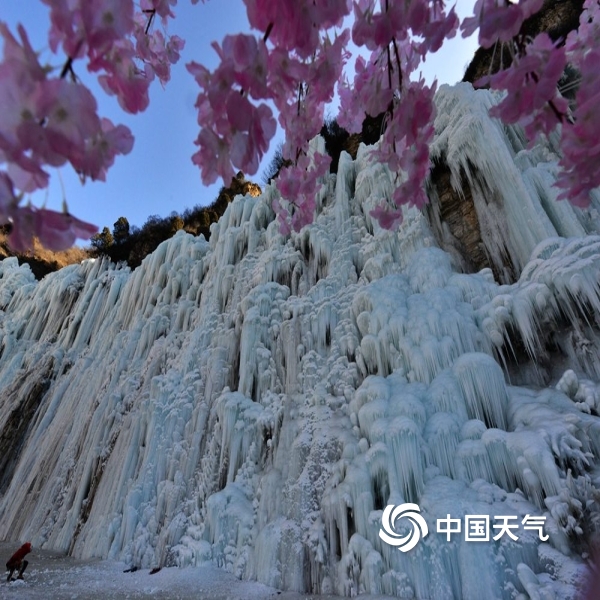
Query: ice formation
pixel 257 401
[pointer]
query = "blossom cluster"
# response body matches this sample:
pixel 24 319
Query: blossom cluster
pixel 384 85
pixel 50 119
pixel 499 20
pixel 533 99
pixel 288 71
pixel 298 184
pixel 296 65
pixel 234 132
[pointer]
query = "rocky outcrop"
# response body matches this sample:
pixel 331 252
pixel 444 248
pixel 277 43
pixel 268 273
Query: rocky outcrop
pixel 454 222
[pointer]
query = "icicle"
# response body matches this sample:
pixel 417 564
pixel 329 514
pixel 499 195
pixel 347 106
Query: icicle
pixel 472 461
pixel 443 436
pixel 404 438
pixel 482 384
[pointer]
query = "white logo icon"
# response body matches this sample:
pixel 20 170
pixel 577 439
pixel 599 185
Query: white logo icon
pixel 411 512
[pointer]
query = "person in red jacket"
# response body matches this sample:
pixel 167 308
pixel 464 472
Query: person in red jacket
pixel 17 561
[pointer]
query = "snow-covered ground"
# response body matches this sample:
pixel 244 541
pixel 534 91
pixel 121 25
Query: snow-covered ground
pixel 54 576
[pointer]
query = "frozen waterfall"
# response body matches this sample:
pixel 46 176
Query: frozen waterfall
pixel 257 401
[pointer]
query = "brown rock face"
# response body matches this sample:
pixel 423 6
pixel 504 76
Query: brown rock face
pixel 455 224
pixel 239 185
pixel 454 220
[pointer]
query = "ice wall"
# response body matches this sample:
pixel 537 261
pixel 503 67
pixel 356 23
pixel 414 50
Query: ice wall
pixel 258 400
pixel 511 183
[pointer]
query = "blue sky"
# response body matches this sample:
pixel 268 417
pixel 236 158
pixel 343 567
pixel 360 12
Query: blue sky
pixel 158 177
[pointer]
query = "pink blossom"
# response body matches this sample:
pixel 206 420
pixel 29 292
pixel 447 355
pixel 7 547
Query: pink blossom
pixel 495 22
pixel 286 73
pixel 248 59
pixel 88 26
pixel 252 129
pixel 17 107
pixel 405 148
pixel 100 150
pixel 330 13
pixel 369 94
pixel 298 187
pixel 219 84
pixel 438 29
pixel 283 217
pixel 292 26
pixel 372 30
pixel 49 121
pixel 326 69
pixel 213 157
pixel 162 7
pixel 298 89
pixel 581 139
pixel 295 25
pixel 123 77
pixel 302 120
pixel 68 111
pixel 23 221
pixel 154 50
pixel 533 99
pixel 376 30
pixel 234 133
pixel 199 72
pixel 174 46
pixel 66 27
pixel 105 30
pixel 499 19
pixel 105 21
pixel 25 172
pixel 386 217
pixel 56 231
pixel 20 77
pixel 347 118
pixel 583 39
pixel 21 58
